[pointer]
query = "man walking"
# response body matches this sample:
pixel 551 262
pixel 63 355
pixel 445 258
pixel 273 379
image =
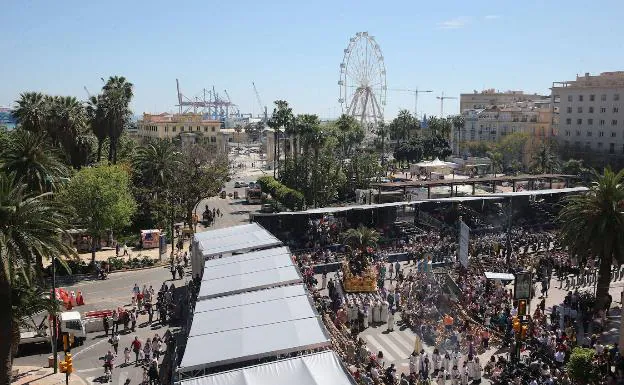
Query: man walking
pixel 136 348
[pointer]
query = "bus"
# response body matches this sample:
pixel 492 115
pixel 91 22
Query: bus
pixel 253 194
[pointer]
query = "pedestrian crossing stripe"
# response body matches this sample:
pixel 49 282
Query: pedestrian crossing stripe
pixel 396 346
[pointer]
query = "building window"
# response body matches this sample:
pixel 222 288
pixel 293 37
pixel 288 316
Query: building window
pixel 592 98
pixel 590 122
pixel 567 133
pixel 611 148
pixel 591 110
pixel 198 128
pixel 213 139
pixel 603 97
pixel 569 110
pixel 580 98
pixel 615 110
pixel 614 122
pixel 182 129
pixel 213 129
pixel 603 109
pixel 602 122
pixel 166 129
pixel 568 121
pixel 579 121
pixel 599 144
pixel 613 135
pixel 578 132
pixel 567 143
pixel 587 145
pixel 616 97
pixel 569 98
pixel 579 110
pixel 589 133
pixel 601 134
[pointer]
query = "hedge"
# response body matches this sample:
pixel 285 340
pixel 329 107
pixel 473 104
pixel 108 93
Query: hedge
pixel 290 198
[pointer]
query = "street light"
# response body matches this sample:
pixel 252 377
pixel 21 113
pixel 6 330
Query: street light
pixel 54 351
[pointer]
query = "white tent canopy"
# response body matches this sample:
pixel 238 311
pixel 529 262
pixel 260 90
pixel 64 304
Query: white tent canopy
pixel 246 267
pixel 224 242
pixel 242 345
pixel 322 368
pixel 243 299
pixel 251 315
pixel 501 276
pixel 435 164
pixel 248 282
pixel 247 256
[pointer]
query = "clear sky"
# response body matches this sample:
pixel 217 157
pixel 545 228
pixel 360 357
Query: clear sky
pixel 292 49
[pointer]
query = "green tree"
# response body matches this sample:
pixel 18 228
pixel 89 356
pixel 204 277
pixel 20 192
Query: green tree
pixel 29 156
pixel 67 124
pixel 101 199
pixel 458 122
pixel 544 160
pixel 476 148
pixel 199 175
pixel 513 147
pixel 401 126
pixel 581 366
pixel 31 112
pixel 593 223
pixel 360 238
pixel 573 167
pixel 382 132
pixel 254 130
pixel 96 116
pixel 349 134
pixel 31 226
pixel 117 94
pixel 281 120
pixel 497 161
pixel 440 126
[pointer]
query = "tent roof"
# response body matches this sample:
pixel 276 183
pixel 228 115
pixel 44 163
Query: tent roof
pixel 566 190
pixel 246 267
pixel 249 298
pixel 248 282
pixel 235 346
pixel 501 276
pixel 315 369
pixel 233 239
pixel 436 163
pixel 246 256
pixel 251 315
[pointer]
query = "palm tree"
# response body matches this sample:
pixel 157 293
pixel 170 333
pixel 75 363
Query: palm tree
pixel 157 164
pixel 68 122
pixel 117 93
pixel 96 115
pixel 32 111
pixel 31 226
pixel 30 157
pixel 593 223
pixel 360 238
pixel 281 119
pixel 544 161
pixel 457 122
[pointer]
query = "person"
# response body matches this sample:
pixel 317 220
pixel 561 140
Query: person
pixel 437 361
pixel 115 318
pixel 114 341
pixel 153 373
pixel 117 250
pixel 173 272
pixel 397 268
pixel 126 355
pixel 391 321
pixel 109 361
pixel 106 325
pixel 180 271
pixel 147 349
pixel 185 259
pixel 156 346
pixel 390 271
pixel 136 348
pixel 324 281
pixel 133 319
pixel 125 248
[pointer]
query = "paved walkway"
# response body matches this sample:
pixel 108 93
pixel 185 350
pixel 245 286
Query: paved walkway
pixel 43 376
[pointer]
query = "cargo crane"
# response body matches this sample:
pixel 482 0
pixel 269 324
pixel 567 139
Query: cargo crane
pixel 266 117
pixel 207 103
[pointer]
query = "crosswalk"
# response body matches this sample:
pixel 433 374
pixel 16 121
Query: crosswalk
pixel 396 346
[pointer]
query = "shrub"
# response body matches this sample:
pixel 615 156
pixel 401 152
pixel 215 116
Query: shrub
pixel 580 365
pixel 116 263
pixel 290 198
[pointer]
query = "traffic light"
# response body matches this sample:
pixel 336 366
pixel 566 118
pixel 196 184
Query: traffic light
pixel 69 364
pixel 522 307
pixel 524 331
pixel 66 344
pixel 62 366
pixel 515 323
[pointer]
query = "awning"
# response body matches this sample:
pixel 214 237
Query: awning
pixel 252 315
pixel 322 368
pixel 501 276
pixel 253 255
pixel 236 239
pixel 246 267
pixel 249 298
pixel 248 282
pixel 242 345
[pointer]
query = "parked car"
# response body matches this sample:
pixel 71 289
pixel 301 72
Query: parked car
pixel 266 208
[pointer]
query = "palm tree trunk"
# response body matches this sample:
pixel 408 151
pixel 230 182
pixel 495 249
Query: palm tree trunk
pixel 6 329
pixel 604 279
pixel 99 150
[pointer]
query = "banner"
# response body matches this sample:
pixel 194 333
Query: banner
pixel 522 286
pixel 464 238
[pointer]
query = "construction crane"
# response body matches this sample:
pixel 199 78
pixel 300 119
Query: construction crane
pixel 87 91
pixel 266 118
pixel 415 92
pixel 442 98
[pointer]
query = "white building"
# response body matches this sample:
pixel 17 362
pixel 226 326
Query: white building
pixel 589 122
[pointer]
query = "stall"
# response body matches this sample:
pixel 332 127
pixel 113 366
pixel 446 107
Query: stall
pixel 150 239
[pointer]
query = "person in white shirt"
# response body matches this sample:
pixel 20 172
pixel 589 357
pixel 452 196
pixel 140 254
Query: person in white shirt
pixel 374 373
pixel 559 357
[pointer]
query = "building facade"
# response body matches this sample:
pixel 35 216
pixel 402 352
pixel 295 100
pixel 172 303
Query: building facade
pixel 490 98
pixel 190 128
pixel 492 124
pixel 587 118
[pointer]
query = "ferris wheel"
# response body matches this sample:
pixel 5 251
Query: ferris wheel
pixel 363 80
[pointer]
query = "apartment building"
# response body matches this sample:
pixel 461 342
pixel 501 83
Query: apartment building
pixel 589 117
pixel 491 97
pixel 492 124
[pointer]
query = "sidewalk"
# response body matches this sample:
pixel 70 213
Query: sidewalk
pixel 43 376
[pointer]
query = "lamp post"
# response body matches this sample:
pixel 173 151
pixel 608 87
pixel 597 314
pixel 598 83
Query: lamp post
pixel 54 338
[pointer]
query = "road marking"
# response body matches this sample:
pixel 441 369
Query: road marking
pixel 403 341
pixel 88 370
pixel 89 348
pixel 377 345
